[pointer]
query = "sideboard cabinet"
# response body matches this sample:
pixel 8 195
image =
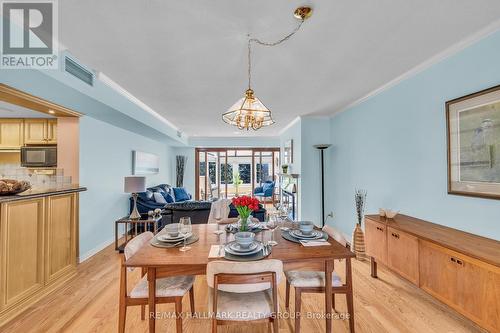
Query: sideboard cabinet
pixel 460 269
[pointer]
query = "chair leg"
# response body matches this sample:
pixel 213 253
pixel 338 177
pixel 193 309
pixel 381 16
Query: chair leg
pixel 178 314
pixel 214 325
pixel 191 299
pixel 333 301
pixel 287 296
pixel 122 316
pixel 275 325
pixel 298 294
pixel 350 310
pixel 143 312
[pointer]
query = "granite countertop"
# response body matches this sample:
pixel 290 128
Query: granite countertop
pixel 42 192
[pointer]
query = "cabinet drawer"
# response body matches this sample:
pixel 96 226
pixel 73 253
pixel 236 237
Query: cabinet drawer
pixel 402 254
pixel 376 240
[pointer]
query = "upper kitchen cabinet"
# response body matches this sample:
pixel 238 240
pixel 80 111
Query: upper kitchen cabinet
pixel 11 133
pixel 40 131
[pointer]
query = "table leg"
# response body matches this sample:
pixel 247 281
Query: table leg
pixel 373 266
pixel 328 294
pixel 349 294
pixel 152 300
pixel 116 236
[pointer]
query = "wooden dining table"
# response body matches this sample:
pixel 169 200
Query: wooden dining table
pixel 164 262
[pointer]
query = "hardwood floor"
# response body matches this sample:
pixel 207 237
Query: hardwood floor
pixel 89 303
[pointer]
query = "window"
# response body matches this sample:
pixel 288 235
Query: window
pixel 226 174
pixel 245 173
pixel 262 172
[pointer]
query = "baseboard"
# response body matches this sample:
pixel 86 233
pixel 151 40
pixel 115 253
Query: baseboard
pixel 87 255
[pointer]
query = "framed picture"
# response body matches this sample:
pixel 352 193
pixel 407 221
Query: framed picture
pixel 288 152
pixel 473 125
pixel 145 163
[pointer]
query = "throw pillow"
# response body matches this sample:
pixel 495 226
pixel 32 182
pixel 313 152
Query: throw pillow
pixel 168 197
pixel 180 194
pixel 159 198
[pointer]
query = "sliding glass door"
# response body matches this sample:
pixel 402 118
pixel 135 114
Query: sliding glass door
pixel 230 172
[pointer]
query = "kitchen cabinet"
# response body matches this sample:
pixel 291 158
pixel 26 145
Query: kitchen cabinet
pixel 40 131
pixel 38 248
pixel 11 133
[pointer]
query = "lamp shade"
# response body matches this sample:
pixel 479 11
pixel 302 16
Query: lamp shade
pixel 134 184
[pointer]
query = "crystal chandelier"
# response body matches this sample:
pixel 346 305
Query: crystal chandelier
pixel 249 112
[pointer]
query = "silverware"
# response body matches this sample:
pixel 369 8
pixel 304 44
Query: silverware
pixel 178 243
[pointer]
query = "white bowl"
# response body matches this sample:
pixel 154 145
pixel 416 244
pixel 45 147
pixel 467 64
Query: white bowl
pixel 244 238
pixel 391 213
pixel 381 212
pixel 306 227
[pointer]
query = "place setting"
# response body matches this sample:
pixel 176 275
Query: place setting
pixel 305 234
pixel 244 247
pixel 175 235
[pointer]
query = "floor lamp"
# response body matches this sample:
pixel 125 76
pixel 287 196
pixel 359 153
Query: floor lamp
pixel 322 150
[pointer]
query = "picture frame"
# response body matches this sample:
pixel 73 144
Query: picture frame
pixel 288 152
pixel 473 144
pixel 144 163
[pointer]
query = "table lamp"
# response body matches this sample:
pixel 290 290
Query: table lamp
pixel 134 185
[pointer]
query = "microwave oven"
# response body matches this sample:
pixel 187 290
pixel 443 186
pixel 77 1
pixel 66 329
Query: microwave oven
pixel 38 156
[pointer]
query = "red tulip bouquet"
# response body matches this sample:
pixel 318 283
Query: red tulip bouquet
pixel 245 205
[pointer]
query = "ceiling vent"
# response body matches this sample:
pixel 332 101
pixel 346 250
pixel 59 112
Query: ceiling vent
pixel 78 71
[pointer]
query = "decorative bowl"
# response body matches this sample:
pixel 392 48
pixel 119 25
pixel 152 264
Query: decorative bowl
pixel 306 227
pixel 391 213
pixel 381 212
pixel 244 238
pixel 11 186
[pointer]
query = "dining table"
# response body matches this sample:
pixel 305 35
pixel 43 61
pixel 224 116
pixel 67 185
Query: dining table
pixel 165 262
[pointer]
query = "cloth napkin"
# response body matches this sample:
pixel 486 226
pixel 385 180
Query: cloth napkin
pixel 216 251
pixel 319 242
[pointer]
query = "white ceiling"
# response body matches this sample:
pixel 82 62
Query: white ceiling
pixel 187 59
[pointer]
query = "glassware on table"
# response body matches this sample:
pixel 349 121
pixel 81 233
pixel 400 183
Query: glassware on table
pixel 185 228
pixel 272 224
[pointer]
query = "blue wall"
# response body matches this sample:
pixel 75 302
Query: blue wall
pixel 105 158
pixel 394 146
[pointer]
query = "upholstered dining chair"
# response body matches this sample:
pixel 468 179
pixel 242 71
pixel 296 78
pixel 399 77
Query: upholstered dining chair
pixel 314 282
pixel 168 290
pixel 244 291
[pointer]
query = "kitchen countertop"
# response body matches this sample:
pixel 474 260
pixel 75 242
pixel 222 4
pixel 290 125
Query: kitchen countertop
pixel 42 192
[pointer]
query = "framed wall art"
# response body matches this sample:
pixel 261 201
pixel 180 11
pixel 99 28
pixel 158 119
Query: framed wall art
pixel 473 126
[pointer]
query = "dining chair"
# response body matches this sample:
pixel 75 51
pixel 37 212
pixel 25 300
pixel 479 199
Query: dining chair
pixel 244 291
pixel 168 290
pixel 314 282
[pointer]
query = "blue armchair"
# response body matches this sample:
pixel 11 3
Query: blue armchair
pixel 265 191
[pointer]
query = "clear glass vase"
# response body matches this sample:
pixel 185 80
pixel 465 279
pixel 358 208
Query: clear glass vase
pixel 243 223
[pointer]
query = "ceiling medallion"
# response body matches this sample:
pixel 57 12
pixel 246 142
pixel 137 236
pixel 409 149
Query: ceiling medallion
pixel 249 112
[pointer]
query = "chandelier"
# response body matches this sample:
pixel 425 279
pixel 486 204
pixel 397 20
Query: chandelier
pixel 249 112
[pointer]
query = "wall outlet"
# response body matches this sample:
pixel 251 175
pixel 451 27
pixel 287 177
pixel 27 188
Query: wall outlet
pixel 330 214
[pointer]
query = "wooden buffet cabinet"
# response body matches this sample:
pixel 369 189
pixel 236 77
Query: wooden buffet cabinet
pixel 460 269
pixel 38 246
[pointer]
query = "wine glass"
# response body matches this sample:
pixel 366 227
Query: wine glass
pixel 272 224
pixel 184 229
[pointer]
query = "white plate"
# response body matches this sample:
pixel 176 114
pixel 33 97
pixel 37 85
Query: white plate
pixel 166 238
pixel 315 235
pixel 228 249
pixel 237 248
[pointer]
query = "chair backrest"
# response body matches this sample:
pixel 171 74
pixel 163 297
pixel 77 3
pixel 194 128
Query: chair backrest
pixel 242 268
pixel 136 243
pixel 335 234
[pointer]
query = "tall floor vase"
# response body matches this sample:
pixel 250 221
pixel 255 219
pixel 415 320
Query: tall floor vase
pixel 358 243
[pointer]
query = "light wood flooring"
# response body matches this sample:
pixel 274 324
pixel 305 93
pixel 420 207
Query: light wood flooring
pixel 89 303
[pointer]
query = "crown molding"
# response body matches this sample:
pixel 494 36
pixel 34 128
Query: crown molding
pixel 448 52
pixel 290 124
